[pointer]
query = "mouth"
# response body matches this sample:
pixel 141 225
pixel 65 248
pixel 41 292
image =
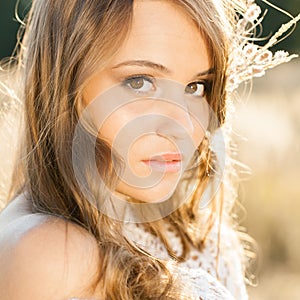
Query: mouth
pixel 165 162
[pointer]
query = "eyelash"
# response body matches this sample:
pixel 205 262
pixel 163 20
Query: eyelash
pixel 207 85
pixel 146 78
pixel 150 79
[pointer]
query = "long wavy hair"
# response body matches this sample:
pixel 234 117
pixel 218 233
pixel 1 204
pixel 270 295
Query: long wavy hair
pixel 64 44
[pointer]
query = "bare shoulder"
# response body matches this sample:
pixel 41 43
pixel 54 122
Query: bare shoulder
pixel 45 257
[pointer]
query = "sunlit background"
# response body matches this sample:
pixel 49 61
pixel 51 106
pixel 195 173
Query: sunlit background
pixel 268 123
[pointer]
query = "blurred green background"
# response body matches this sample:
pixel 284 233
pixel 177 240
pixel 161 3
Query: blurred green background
pixel 9 25
pixel 270 121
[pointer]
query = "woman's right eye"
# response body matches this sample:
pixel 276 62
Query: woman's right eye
pixel 139 84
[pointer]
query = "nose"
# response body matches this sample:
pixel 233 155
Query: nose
pixel 176 121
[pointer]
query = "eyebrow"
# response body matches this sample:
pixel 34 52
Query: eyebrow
pixel 144 63
pixel 207 72
pixel 156 66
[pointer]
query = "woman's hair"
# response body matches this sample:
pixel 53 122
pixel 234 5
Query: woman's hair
pixel 64 44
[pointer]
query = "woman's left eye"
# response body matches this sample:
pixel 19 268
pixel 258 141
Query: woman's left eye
pixel 139 84
pixel 196 88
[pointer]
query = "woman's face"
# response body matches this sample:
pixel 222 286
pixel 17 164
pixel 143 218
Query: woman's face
pixel 164 64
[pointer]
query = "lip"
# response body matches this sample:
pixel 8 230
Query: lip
pixel 174 156
pixel 165 162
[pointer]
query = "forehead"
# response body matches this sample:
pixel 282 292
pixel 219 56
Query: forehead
pixel 163 32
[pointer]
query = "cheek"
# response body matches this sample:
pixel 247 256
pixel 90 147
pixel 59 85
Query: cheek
pixel 200 113
pixel 109 130
pixel 199 133
pixel 200 124
pixel 113 125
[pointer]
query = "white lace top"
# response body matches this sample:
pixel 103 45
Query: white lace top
pixel 199 272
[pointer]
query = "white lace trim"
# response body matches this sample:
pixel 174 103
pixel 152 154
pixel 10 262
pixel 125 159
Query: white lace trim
pixel 199 270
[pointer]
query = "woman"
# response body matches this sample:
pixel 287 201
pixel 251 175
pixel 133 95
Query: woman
pixel 119 192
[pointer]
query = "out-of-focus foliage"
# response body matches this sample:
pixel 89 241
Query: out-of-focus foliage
pixel 275 18
pixel 270 121
pixel 9 25
pixel 269 125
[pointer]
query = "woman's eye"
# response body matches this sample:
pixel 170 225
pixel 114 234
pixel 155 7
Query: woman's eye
pixel 196 88
pixel 140 84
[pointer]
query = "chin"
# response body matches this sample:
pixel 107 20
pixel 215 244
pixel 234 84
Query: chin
pixel 156 194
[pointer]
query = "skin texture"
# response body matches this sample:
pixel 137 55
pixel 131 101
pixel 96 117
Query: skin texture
pixel 29 270
pixel 164 51
pixel 64 269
